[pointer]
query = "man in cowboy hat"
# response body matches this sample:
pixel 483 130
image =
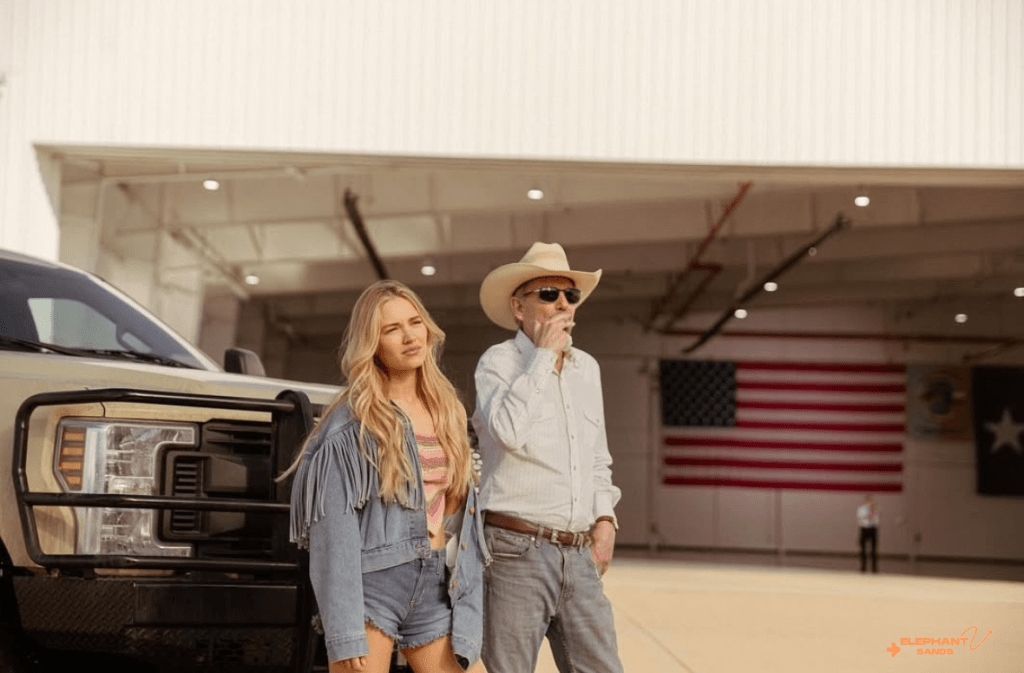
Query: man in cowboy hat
pixel 547 487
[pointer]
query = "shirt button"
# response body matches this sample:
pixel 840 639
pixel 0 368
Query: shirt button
pixel 472 511
pixel 463 545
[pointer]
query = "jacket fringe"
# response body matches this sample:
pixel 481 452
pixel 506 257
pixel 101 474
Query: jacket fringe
pixel 340 451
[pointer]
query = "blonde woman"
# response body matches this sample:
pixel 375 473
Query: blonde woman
pixel 385 499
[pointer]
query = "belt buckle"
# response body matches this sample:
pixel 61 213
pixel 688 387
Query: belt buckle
pixel 554 536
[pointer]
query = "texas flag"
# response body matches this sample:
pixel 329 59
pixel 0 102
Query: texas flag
pixel 999 429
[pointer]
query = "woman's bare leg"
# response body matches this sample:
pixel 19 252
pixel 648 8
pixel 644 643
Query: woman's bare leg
pixel 377 661
pixel 437 657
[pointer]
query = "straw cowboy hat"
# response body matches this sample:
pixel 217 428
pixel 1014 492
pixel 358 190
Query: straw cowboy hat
pixel 542 259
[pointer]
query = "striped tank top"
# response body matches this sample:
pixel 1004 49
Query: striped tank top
pixel 436 481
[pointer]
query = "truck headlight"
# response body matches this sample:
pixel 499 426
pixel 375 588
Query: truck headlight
pixel 95 456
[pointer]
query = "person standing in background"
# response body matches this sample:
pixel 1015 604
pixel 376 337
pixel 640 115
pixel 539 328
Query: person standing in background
pixel 867 519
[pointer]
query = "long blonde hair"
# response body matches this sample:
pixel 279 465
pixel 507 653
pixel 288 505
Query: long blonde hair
pixel 365 391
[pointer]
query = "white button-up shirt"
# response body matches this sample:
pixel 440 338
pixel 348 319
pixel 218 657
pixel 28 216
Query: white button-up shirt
pixel 542 436
pixel 867 516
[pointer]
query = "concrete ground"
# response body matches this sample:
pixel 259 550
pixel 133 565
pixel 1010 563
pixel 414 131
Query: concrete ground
pixel 719 613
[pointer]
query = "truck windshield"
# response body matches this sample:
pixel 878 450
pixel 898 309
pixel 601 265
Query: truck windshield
pixel 69 309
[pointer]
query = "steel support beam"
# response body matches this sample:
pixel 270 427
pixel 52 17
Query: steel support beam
pixel 757 287
pixel 364 237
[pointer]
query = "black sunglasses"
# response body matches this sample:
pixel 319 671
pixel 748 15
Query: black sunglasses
pixel 549 295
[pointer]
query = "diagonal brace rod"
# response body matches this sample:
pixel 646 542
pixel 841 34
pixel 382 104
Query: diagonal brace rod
pixel 357 223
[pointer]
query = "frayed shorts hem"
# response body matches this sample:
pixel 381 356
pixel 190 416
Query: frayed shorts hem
pixel 420 642
pixel 371 622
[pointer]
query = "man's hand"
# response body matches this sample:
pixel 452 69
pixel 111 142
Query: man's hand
pixel 553 333
pixel 603 546
pixel 346 665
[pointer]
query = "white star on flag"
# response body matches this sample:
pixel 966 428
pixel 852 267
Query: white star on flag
pixel 1006 432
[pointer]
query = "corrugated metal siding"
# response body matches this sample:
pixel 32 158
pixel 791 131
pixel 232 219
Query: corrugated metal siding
pixel 873 82
pixel 925 82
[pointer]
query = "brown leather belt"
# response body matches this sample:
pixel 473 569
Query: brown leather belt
pixel 552 535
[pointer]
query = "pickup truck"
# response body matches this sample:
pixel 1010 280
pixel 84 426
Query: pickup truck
pixel 140 521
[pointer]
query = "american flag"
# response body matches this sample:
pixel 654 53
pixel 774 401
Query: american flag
pixel 786 425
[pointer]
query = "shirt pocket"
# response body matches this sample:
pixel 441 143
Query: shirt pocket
pixel 544 427
pixel 591 427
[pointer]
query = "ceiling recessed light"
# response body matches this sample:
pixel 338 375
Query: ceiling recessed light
pixel 961 318
pixel 428 269
pixel 252 279
pixel 771 286
pixel 535 194
pixel 211 185
pixel 740 313
pixel 862 201
pixel 1019 292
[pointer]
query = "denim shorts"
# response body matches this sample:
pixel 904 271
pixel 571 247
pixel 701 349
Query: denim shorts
pixel 409 602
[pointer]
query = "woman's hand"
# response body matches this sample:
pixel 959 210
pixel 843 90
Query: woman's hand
pixel 346 665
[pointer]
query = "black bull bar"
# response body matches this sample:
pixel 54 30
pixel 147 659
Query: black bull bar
pixel 291 420
pixel 292 417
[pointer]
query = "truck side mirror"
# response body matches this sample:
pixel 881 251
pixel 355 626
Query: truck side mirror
pixel 243 361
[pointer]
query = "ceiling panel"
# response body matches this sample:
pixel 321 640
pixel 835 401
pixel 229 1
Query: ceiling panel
pixel 926 235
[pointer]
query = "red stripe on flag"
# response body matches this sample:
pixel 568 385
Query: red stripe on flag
pixel 822 406
pixel 834 427
pixel 785 464
pixel 863 487
pixel 849 367
pixel 809 387
pixel 732 443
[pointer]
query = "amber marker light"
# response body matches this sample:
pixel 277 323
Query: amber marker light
pixel 72 455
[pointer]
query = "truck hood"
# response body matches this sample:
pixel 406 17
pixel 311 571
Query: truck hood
pixel 61 372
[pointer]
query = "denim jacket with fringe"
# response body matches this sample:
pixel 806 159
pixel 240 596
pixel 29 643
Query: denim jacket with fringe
pixel 337 513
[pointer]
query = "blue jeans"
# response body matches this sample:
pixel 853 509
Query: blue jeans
pixel 534 588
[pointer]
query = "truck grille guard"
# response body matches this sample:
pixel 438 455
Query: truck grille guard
pixel 291 419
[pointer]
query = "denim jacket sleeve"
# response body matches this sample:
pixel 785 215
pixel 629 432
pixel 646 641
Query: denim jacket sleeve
pixel 335 571
pixel 332 482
